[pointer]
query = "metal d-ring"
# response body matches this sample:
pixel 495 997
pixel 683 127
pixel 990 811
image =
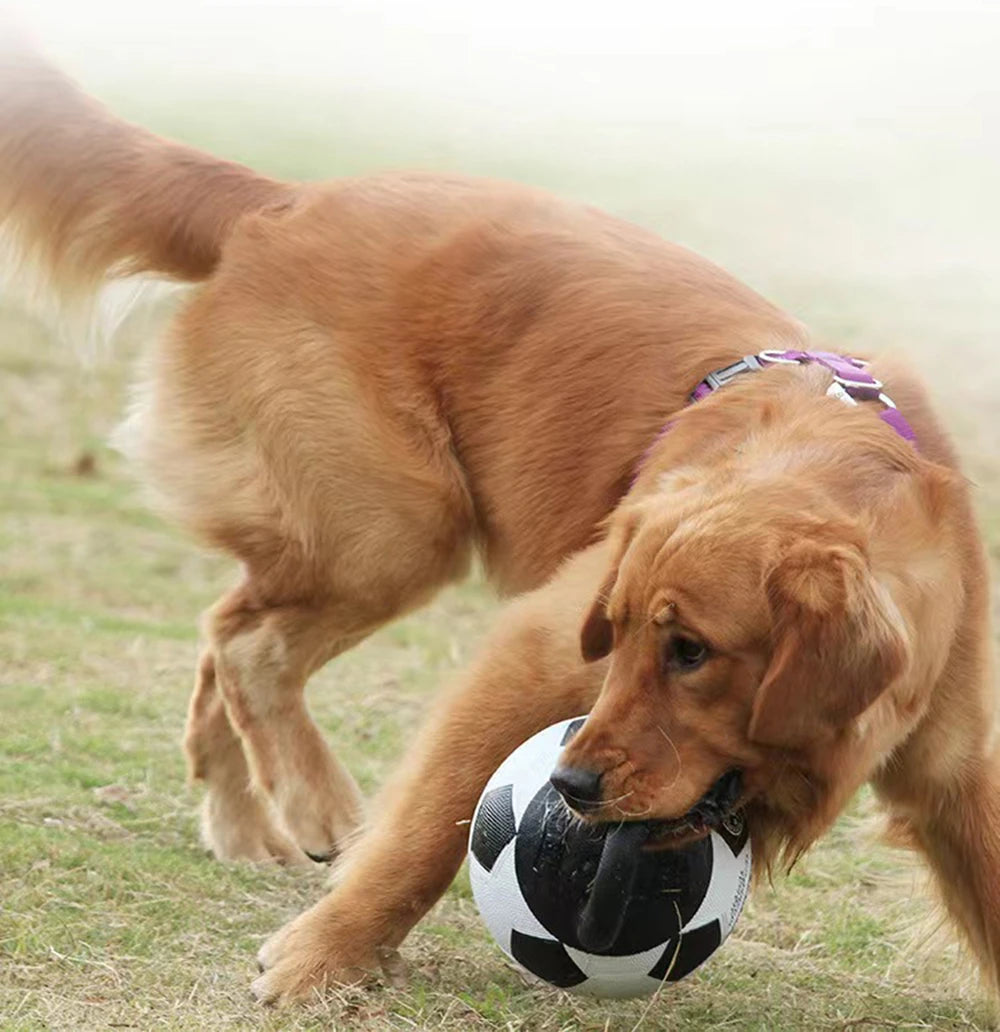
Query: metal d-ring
pixel 777 356
pixel 875 385
pixel 733 823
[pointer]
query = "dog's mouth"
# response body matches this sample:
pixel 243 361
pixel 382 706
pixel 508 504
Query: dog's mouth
pixel 601 920
pixel 716 808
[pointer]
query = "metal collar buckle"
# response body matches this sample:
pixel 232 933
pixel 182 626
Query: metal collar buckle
pixel 719 378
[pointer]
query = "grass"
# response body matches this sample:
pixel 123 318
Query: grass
pixel 113 916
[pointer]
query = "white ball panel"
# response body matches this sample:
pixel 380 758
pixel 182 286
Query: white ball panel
pixel 528 767
pixel 498 896
pixel 738 891
pixel 726 888
pixel 616 977
pixel 526 759
pixel 626 988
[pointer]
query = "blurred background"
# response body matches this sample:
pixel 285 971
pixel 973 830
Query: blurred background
pixel 825 152
pixel 842 158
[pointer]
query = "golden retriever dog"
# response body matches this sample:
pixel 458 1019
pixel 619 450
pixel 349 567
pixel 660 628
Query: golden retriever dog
pixel 374 380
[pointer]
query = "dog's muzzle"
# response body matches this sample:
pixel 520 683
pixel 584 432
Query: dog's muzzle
pixel 601 920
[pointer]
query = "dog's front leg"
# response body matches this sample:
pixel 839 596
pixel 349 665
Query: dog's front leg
pixel 529 676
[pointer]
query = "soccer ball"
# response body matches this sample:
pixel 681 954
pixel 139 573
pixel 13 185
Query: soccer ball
pixel 532 865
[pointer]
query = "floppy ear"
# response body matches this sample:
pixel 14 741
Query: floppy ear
pixel 838 643
pixel 597 637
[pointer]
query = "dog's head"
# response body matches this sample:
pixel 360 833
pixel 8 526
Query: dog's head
pixel 744 643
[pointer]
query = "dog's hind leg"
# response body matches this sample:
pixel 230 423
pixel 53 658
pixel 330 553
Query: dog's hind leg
pixel 264 653
pixel 344 507
pixel 957 830
pixel 295 611
pixel 237 823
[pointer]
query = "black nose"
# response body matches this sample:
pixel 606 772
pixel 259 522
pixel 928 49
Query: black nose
pixel 581 788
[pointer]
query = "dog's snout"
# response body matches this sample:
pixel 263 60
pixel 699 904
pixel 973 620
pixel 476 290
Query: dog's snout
pixel 580 787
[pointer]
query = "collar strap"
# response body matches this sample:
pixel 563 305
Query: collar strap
pixel 852 383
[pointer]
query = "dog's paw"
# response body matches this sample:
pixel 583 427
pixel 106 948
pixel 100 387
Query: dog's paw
pixel 246 832
pixel 298 978
pixel 322 819
pixel 317 952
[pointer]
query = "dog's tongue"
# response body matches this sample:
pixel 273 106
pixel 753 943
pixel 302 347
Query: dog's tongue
pixel 604 913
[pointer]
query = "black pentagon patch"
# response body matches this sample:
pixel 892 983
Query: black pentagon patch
pixel 494 826
pixel 572 729
pixel 545 958
pixel 696 946
pixel 734 831
pixel 556 858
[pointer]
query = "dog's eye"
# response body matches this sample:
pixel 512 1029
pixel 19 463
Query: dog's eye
pixel 685 654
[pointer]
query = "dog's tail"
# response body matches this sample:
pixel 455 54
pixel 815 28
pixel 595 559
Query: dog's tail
pixel 86 198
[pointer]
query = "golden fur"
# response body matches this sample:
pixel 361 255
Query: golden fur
pixel 376 378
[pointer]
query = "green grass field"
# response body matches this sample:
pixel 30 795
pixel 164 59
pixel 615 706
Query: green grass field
pixel 113 916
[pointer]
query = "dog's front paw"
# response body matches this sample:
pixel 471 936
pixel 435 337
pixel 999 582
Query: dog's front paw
pixel 317 951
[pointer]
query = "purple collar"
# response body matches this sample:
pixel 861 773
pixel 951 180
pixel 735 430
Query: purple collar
pixel 851 382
